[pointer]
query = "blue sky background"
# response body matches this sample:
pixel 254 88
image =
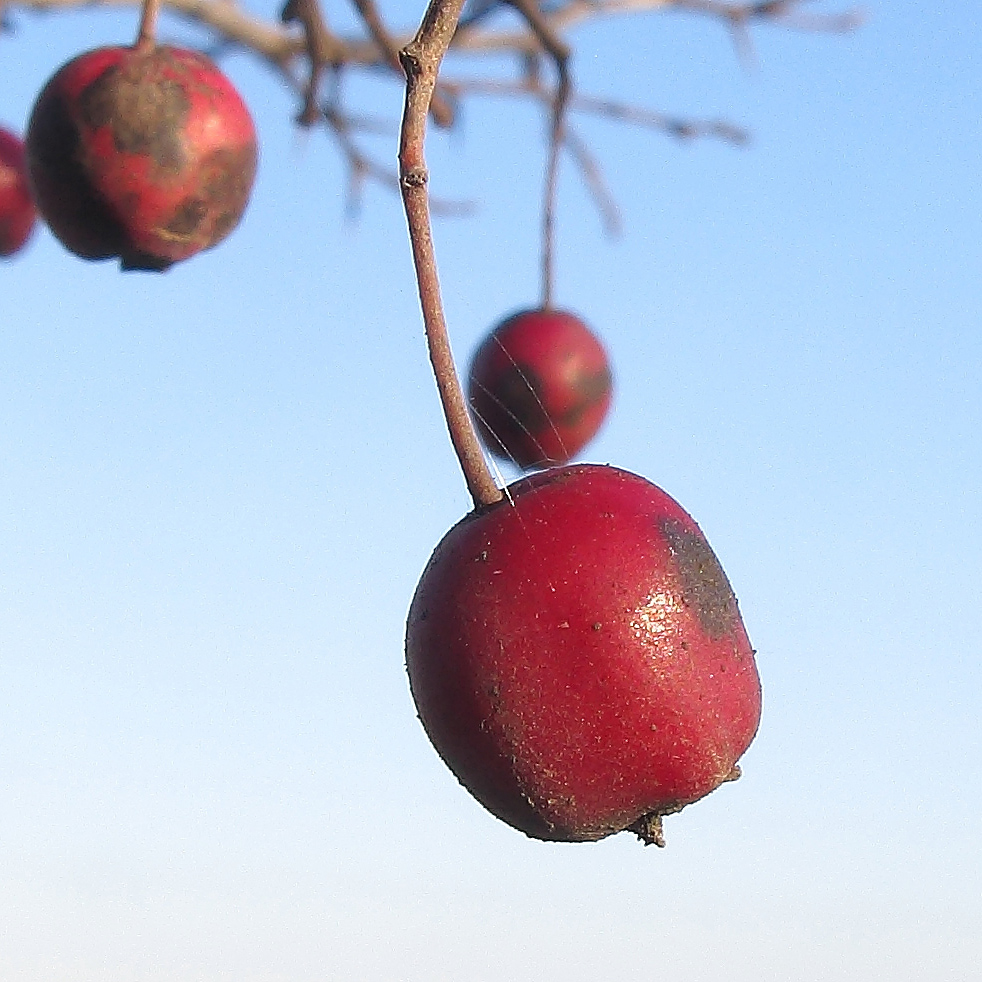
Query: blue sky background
pixel 219 487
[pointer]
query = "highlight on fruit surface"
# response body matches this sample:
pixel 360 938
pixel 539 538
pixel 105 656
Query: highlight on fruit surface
pixel 577 657
pixel 145 152
pixel 17 212
pixel 539 388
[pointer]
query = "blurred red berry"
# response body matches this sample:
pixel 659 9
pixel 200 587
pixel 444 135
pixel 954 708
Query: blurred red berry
pixel 539 388
pixel 17 213
pixel 146 153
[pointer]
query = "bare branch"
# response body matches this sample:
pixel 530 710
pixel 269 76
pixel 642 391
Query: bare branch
pixel 280 46
pixel 669 123
pixel 610 214
pixel 283 47
pixel 441 110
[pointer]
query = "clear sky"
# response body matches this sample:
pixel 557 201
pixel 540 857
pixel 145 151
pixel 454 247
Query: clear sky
pixel 219 486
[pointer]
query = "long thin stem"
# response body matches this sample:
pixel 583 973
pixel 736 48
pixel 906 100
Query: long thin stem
pixel 558 50
pixel 556 138
pixel 146 36
pixel 421 60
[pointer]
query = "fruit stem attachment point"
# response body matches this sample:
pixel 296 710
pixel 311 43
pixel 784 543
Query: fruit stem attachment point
pixel 146 36
pixel 421 60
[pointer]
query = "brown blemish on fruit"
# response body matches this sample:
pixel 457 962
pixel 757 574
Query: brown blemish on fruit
pixel 590 389
pixel 226 185
pixel 705 586
pixel 228 177
pixel 146 113
pixel 185 221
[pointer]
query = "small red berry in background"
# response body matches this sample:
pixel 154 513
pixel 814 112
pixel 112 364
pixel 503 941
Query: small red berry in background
pixel 17 212
pixel 147 153
pixel 539 388
pixel 578 659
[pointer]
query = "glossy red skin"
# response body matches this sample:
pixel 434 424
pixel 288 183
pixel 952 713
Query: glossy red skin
pixel 17 213
pixel 577 657
pixel 145 153
pixel 539 388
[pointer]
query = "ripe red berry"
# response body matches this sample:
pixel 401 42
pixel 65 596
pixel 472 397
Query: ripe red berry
pixel 577 657
pixel 540 387
pixel 147 153
pixel 17 212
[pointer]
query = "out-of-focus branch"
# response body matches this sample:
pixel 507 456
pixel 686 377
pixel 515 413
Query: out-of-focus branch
pixel 304 35
pixel 280 45
pixel 321 46
pixel 669 123
pixel 441 110
pixel 265 38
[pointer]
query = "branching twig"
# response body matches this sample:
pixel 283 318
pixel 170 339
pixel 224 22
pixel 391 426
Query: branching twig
pixel 441 110
pixel 278 45
pixel 420 59
pixel 281 47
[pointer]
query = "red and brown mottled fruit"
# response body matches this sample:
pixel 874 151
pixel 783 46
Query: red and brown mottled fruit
pixel 17 213
pixel 147 153
pixel 578 659
pixel 540 387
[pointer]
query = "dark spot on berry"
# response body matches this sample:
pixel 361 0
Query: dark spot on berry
pixel 145 112
pixel 227 178
pixel 705 586
pixel 589 389
pixel 185 221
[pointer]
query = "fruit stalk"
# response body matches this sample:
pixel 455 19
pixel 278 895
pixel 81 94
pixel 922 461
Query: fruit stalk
pixel 421 60
pixel 558 50
pixel 146 36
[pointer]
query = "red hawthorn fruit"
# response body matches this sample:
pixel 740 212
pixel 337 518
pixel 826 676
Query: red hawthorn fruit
pixel 147 153
pixel 577 657
pixel 539 388
pixel 17 212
